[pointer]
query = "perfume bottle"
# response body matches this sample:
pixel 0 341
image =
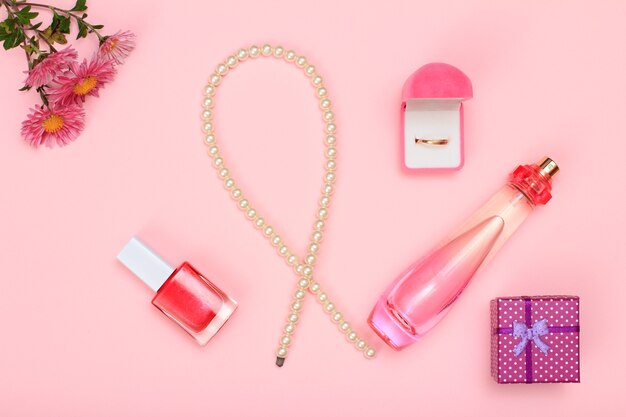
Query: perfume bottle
pixel 182 293
pixel 418 299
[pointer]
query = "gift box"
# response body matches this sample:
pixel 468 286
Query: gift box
pixel 535 339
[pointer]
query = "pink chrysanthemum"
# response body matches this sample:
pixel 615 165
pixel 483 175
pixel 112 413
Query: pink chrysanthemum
pixel 82 80
pixel 60 124
pixel 50 67
pixel 117 47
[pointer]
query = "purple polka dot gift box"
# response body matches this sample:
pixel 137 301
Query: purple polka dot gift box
pixel 535 339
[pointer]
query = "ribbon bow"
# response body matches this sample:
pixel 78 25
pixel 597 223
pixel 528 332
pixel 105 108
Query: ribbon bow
pixel 540 328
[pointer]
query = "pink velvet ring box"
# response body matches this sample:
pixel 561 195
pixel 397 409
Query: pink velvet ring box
pixel 535 339
pixel 432 110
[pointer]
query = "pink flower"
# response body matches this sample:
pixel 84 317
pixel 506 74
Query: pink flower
pixel 118 46
pixel 50 67
pixel 82 80
pixel 46 125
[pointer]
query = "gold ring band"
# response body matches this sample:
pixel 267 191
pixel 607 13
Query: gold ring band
pixel 431 141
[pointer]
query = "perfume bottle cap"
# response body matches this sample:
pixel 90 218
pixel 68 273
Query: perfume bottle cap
pixel 145 264
pixel 548 168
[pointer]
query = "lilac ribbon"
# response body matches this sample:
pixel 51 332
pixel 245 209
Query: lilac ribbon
pixel 538 329
pixel 529 331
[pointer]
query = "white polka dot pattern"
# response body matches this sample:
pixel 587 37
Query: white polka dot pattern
pixel 560 364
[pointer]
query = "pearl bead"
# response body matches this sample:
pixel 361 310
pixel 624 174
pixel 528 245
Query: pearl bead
pixel 301 61
pixel 209 90
pixel 370 353
pixel 276 240
pixel 232 61
pixel 283 250
pixel 208 127
pixel 213 150
pixel 259 222
pixel 303 283
pixel 222 69
pixel 316 237
pixel 285 341
pixel 331 165
pixel 293 318
pixel 337 317
pixel 290 328
pixel 328 116
pixel 242 54
pixel 300 294
pixel 266 50
pixel 251 213
pixel 324 202
pixel 327 189
pixel 268 231
pixel 291 260
pixel 307 271
pixel 209 139
pixel 236 193
pixel 314 287
pixel 321 92
pixel 208 102
pixel 223 172
pixel 218 161
pixel 344 327
pixel 215 79
pixel 330 140
pixel 279 51
pixel 310 70
pixel 360 345
pixel 229 183
pixel 325 103
pixel 254 51
pixel 206 115
pixel 331 128
pixel 330 177
pixel 316 81
pixel 352 336
pixel 331 153
pixel 290 56
pixel 281 352
pixel 314 247
pixel 322 297
pixel 243 203
pixel 298 268
pixel 330 307
pixel 310 259
pixel 322 213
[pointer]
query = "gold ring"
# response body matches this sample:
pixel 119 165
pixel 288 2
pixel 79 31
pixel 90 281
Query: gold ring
pixel 431 141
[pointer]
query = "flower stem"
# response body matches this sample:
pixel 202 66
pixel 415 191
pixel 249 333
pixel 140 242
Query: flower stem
pixel 65 12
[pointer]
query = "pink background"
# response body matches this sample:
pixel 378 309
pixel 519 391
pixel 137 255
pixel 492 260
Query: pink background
pixel 79 336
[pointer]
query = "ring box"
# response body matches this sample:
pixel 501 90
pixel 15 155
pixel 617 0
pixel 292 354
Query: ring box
pixel 432 110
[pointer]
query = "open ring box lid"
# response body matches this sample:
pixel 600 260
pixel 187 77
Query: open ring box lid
pixel 432 108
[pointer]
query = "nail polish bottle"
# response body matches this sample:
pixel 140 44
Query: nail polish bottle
pixel 417 300
pixel 182 293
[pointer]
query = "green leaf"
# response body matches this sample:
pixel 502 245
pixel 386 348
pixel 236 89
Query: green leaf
pixel 81 5
pixel 11 35
pixel 58 38
pixel 60 23
pixel 24 15
pixel 82 30
pixel 97 27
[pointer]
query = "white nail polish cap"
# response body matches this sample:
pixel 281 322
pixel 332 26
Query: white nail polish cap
pixel 145 263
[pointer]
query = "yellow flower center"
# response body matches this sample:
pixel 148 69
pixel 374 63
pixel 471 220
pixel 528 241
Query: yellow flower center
pixel 53 123
pixel 110 45
pixel 85 85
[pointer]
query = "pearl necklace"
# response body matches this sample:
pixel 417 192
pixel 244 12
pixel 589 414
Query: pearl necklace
pixel 302 268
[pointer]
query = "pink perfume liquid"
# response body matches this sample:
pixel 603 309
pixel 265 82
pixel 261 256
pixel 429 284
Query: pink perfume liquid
pixel 425 292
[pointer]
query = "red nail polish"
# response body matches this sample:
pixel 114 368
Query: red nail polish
pixel 182 294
